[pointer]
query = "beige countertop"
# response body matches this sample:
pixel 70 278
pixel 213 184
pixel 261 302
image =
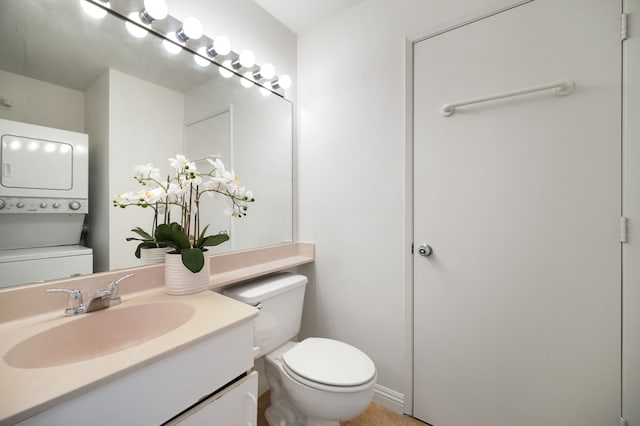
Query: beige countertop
pixel 26 391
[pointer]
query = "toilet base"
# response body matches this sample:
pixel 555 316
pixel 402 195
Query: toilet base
pixel 281 415
pixel 312 422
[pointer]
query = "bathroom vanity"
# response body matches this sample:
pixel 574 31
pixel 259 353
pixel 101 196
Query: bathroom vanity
pixel 153 359
pixel 148 382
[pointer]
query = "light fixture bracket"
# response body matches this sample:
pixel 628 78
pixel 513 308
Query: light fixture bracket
pixel 145 17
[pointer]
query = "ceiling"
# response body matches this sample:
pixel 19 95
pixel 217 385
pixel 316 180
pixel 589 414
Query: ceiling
pixel 299 15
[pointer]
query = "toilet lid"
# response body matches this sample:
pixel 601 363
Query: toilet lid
pixel 329 362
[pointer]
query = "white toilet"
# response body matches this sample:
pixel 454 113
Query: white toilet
pixel 314 382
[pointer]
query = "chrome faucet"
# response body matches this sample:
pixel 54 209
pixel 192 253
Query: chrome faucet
pixel 101 299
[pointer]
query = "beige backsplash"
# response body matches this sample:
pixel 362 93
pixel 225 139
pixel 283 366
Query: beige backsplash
pixel 25 301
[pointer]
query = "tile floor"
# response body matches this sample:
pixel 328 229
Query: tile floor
pixel 376 415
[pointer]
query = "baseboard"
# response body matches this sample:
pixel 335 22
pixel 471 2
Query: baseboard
pixel 389 398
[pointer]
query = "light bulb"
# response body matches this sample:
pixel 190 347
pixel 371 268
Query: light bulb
pixel 153 10
pixel 222 45
pixel 133 29
pixel 267 72
pixel 171 47
pixel 246 59
pixel 246 81
pixel 224 69
pixel 191 29
pixel 15 145
pixel 199 59
pixel 93 10
pixel 282 82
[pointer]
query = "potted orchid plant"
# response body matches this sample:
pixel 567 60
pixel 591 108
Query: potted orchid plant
pixel 151 198
pixel 181 194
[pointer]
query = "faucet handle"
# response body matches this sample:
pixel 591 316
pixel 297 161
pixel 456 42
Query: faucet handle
pixel 74 305
pixel 114 299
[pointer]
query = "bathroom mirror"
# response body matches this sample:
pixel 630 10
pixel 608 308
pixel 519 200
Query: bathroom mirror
pixel 141 104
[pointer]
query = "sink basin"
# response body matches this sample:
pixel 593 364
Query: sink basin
pixel 98 333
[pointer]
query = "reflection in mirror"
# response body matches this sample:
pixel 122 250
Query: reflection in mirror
pixel 138 104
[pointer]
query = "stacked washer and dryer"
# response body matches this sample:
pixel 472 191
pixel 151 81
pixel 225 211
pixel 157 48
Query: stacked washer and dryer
pixel 44 192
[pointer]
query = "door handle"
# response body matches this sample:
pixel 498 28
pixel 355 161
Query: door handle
pixel 425 250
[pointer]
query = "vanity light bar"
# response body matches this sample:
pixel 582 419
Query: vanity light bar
pixel 189 35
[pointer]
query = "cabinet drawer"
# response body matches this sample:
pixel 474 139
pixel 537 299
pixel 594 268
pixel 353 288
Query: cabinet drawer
pixel 235 405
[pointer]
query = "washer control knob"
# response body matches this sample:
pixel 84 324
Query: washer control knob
pixel 74 205
pixel 43 205
pixel 19 204
pixel 3 204
pixel 56 205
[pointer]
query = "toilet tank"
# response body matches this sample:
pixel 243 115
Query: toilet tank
pixel 280 298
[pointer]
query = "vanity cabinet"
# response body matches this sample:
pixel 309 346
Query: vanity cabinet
pixel 204 383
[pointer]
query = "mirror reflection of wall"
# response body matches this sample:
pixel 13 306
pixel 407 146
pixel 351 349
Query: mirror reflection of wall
pixel 139 105
pixel 260 151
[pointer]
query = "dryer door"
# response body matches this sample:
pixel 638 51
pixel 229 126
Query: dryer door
pixel 29 163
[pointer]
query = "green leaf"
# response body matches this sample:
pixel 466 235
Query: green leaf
pixel 135 239
pixel 201 237
pixel 173 236
pixel 144 234
pixel 193 259
pixel 214 240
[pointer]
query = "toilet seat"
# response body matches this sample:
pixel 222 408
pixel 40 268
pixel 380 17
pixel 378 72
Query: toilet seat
pixel 329 365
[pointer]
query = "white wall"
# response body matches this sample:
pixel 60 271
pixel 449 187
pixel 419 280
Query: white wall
pixel 38 102
pixel 146 125
pixel 97 126
pixel 260 153
pixel 352 167
pixel 262 157
pixel 130 122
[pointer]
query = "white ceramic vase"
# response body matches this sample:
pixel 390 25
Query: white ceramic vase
pixel 179 280
pixel 153 255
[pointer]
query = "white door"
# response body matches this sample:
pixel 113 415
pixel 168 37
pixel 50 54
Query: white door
pixel 517 311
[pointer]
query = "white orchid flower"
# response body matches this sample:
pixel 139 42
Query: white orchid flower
pixel 210 185
pixel 181 163
pixel 155 195
pixel 224 174
pixel 124 198
pixel 146 171
pixel 217 163
pixel 173 192
pixel 195 181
